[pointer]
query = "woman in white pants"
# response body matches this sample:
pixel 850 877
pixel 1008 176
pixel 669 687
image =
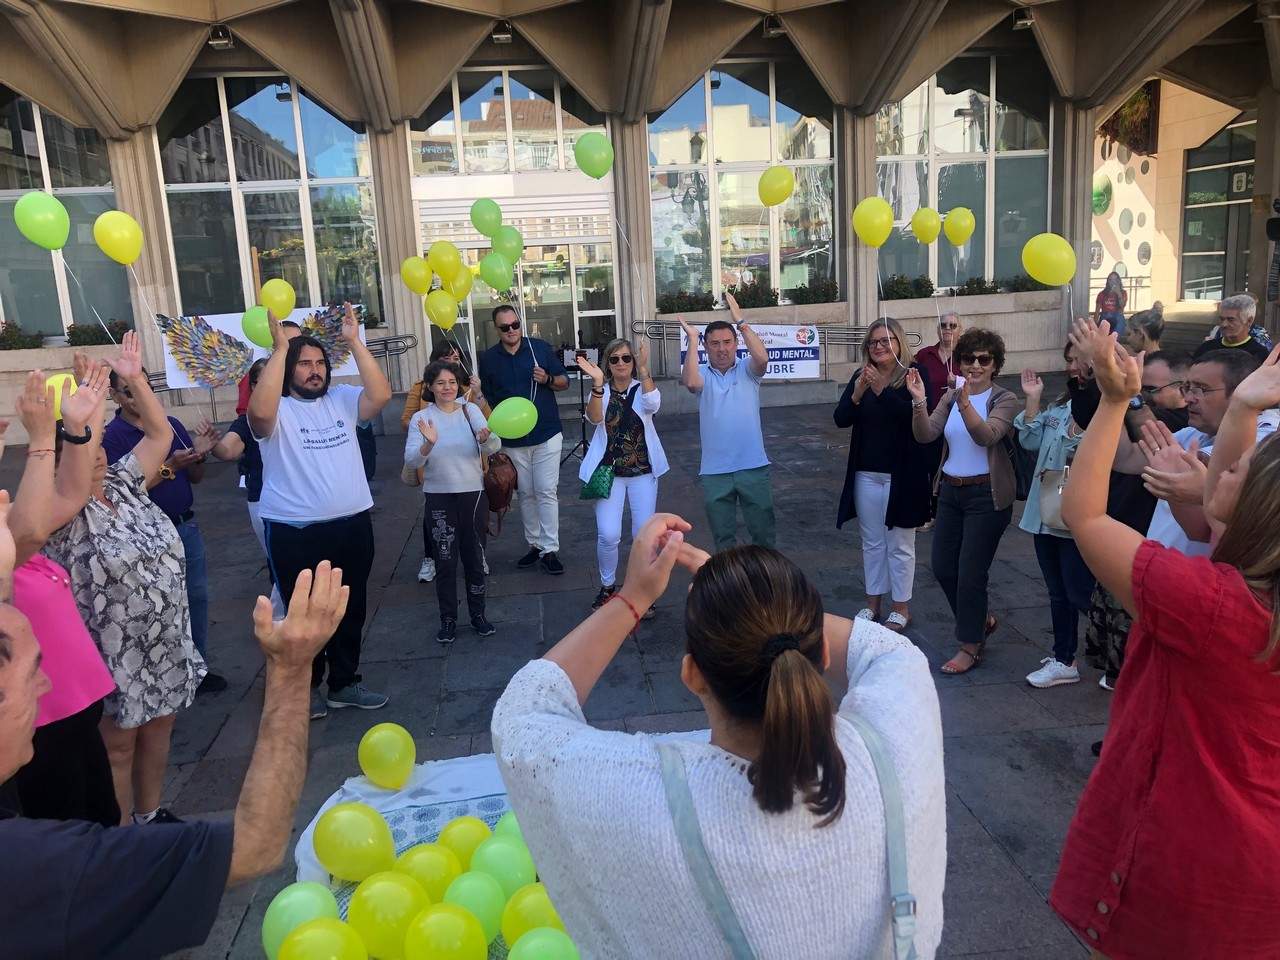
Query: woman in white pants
pixel 624 399
pixel 887 481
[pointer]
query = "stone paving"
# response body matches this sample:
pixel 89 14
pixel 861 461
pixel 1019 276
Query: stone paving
pixel 1017 758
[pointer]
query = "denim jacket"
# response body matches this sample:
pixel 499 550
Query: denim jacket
pixel 1046 436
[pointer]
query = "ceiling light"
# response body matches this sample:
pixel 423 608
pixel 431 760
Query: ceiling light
pixel 1023 18
pixel 220 37
pixel 773 27
pixel 501 32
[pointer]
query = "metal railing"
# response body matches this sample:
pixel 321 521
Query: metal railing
pixel 387 347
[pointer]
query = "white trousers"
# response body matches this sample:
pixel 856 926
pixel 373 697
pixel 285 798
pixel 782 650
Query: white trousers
pixel 642 493
pixel 888 556
pixel 538 475
pixel 277 602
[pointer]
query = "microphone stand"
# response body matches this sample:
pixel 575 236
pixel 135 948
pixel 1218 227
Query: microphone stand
pixel 581 445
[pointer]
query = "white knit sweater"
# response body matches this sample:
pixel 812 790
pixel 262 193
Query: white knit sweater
pixel 593 812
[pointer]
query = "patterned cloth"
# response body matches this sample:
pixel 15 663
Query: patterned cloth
pixel 627 450
pixel 1107 634
pixel 128 574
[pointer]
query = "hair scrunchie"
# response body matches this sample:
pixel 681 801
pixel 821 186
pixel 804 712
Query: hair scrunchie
pixel 779 645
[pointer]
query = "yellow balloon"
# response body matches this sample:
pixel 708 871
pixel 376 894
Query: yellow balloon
pixel 460 285
pixel 118 236
pixel 926 224
pixel 441 308
pixel 444 259
pixel 277 296
pixel 382 908
pixel 416 275
pixel 56 381
pixel 445 932
pixel 323 939
pixel 959 225
pixel 353 842
pixel 387 755
pixel 775 185
pixel 528 909
pixel 462 835
pixel 433 866
pixel 873 220
pixel 1048 258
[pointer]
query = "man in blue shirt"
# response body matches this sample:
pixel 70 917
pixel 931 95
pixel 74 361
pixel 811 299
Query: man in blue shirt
pixel 520 366
pixel 735 468
pixel 171 492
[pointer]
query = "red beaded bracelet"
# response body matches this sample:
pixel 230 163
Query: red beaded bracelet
pixel 32 453
pixel 634 612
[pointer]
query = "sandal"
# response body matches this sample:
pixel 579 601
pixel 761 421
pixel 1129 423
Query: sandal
pixel 991 624
pixel 897 622
pixel 865 614
pixel 953 667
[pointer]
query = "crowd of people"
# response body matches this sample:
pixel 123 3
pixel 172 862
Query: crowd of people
pixel 1147 485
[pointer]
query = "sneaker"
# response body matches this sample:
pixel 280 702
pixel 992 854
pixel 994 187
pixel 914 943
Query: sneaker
pixel 927 528
pixel 1105 683
pixel 1053 673
pixel 551 564
pixel 212 683
pixel 483 626
pixel 448 630
pixel 318 707
pixel 355 695
pixel 529 559
pixel 427 572
pixel 603 596
pixel 161 815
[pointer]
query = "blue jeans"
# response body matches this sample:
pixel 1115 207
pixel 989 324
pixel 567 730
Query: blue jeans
pixel 1116 319
pixel 966 532
pixel 1070 585
pixel 197 583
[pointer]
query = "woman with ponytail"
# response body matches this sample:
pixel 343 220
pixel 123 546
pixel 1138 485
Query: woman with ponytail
pixel 784 795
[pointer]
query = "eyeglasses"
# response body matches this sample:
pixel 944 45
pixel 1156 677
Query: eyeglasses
pixel 508 327
pixel 124 391
pixel 981 359
pixel 620 358
pixel 1188 389
pixel 948 326
pixel 885 342
pixel 1152 391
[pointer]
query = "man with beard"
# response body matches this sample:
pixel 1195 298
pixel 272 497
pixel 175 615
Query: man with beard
pixel 315 499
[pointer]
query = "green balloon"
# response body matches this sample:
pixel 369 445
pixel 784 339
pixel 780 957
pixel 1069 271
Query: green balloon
pixel 495 270
pixel 508 242
pixel 292 907
pixel 486 216
pixel 594 154
pixel 507 861
pixel 482 896
pixel 513 418
pixel 1101 194
pixel 42 219
pixel 544 943
pixel 508 827
pixel 257 326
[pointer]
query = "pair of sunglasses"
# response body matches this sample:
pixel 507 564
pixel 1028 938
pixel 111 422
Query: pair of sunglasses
pixel 948 326
pixel 620 358
pixel 508 327
pixel 981 359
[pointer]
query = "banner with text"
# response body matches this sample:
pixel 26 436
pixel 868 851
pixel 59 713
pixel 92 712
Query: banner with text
pixel 794 352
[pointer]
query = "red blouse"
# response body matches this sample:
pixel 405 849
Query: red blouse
pixel 1174 850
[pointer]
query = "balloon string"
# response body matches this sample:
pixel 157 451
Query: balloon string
pixel 631 257
pixel 151 311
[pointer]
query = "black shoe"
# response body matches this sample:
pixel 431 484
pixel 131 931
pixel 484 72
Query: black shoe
pixel 529 559
pixel 483 626
pixel 551 563
pixel 448 630
pixel 212 683
pixel 162 815
pixel 603 596
pixel 1097 749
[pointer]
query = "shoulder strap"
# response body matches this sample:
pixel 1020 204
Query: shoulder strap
pixel 680 803
pixel 901 901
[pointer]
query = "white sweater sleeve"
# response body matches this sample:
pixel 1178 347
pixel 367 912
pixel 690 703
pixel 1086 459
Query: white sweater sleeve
pixel 413 441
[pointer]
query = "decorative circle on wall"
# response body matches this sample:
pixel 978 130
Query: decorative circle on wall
pixel 1128 174
pixel 1106 149
pixel 1126 220
pixel 1101 194
pixel 1120 177
pixel 1121 269
pixel 1142 219
pixel 1146 167
pixel 1123 154
pixel 1144 253
pixel 1095 255
pixel 1126 244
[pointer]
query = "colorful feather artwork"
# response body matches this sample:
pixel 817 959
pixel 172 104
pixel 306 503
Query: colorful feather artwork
pixel 326 326
pixel 207 356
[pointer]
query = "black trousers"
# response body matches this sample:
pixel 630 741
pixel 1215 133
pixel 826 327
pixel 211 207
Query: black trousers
pixel 346 543
pixel 69 778
pixel 455 524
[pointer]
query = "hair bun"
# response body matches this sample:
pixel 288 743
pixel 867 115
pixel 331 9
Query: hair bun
pixel 1157 308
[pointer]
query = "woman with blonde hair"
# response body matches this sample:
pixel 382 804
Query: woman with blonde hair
pixel 886 484
pixel 625 458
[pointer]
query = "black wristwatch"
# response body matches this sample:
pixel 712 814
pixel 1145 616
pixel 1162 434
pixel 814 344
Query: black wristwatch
pixel 1137 403
pixel 72 438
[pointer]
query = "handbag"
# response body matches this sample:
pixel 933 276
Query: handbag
pixel 1052 485
pixel 600 484
pixel 500 481
pixel 902 904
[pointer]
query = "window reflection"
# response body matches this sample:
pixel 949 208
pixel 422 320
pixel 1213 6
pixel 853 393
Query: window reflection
pixel 192 147
pixel 431 136
pixel 77 155
pixel 802 116
pixel 963 185
pixel 740 111
pixel 679 134
pixel 1022 209
pixel 804 221
pixel 346 245
pixel 744 230
pixel 19 148
pixel 902 126
pixel 105 283
pixel 483 120
pixel 905 185
pixel 533 119
pixel 205 252
pixel 961 92
pixel 264 139
pixel 27 288
pixel 275 239
pixel 334 147
pixel 577 117
pixel 1023 92
pixel 680 201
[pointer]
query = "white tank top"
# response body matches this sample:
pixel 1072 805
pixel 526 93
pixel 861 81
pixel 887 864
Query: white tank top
pixel 964 457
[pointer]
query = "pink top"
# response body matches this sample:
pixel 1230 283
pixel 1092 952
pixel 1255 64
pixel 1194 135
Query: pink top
pixel 42 591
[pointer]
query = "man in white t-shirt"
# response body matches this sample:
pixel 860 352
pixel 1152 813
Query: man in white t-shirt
pixel 315 499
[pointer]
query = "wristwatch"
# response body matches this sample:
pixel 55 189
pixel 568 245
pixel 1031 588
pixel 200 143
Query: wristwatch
pixel 1137 403
pixel 72 438
pixel 166 472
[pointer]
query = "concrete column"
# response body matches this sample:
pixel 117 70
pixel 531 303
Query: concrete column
pixel 139 186
pixel 856 170
pixel 1266 185
pixel 633 256
pixel 398 239
pixel 1071 176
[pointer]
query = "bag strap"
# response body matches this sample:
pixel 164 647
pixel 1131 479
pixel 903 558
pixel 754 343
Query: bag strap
pixel 902 902
pixel 680 803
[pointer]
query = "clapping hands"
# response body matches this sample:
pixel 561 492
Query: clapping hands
pixel 1032 385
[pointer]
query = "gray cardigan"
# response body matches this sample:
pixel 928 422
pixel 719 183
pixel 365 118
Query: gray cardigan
pixel 1003 409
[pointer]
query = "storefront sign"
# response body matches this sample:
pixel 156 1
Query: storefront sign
pixel 793 351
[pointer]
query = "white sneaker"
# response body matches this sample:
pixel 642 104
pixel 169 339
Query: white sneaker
pixel 484 563
pixel 1053 673
pixel 1102 682
pixel 427 572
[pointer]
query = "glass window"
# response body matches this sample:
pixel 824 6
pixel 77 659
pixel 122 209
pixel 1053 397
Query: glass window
pixel 77 155
pixel 27 287
pixel 902 126
pixel 484 123
pixel 740 111
pixel 1205 230
pixel 192 148
pixel 432 136
pixel 577 117
pixel 1203 277
pixel 205 251
pixel 335 148
pixel 961 92
pixel 681 205
pixel 19 148
pixel 263 136
pixel 1215 150
pixel 1208 186
pixel 1244 141
pixel 802 115
pixel 963 185
pixel 594 266
pixel 105 283
pixel 905 185
pixel 533 119
pixel 346 245
pixel 805 248
pixel 1023 91
pixel 679 134
pixel 275 239
pixel 1022 209
pixel 744 230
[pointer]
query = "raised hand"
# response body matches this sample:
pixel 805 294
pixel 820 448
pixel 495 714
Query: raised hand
pixel 1032 385
pixel 80 364
pixel 1174 474
pixel 87 402
pixel 915 385
pixel 1118 375
pixel 35 407
pixel 350 325
pixel 734 310
pixel 1261 389
pixel 1087 337
pixel 592 371
pixel 474 390
pixel 642 356
pixel 318 603
pixel 278 340
pixel 129 364
pixel 427 427
pixel 654 553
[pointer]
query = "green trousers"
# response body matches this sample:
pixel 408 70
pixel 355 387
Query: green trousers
pixel 723 492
